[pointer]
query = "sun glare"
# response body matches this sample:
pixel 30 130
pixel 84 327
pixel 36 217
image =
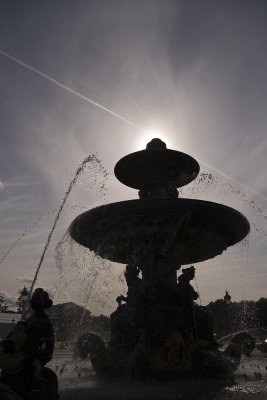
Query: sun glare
pixel 148 136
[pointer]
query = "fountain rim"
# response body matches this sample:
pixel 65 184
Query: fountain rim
pixel 149 207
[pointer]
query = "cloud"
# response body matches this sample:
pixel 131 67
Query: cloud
pixel 26 280
pixel 9 299
pixel 20 184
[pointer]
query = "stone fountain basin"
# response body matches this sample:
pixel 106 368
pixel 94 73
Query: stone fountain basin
pixel 184 231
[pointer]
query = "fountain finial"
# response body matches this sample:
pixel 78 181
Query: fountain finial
pixel 156 144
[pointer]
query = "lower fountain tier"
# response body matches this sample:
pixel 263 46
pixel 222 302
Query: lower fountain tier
pixel 138 232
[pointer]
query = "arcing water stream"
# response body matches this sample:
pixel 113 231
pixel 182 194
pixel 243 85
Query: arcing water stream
pixel 89 159
pixel 24 233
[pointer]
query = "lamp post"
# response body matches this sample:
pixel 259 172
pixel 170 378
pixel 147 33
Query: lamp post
pixel 24 300
pixel 24 294
pixel 227 298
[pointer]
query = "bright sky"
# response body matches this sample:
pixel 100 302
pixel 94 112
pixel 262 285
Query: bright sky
pixel 87 76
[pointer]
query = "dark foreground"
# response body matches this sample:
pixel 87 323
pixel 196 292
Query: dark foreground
pixel 182 391
pixel 77 381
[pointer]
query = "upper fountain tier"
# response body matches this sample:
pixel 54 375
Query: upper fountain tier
pixel 156 171
pixel 140 232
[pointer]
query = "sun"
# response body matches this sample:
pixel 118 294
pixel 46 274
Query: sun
pixel 148 136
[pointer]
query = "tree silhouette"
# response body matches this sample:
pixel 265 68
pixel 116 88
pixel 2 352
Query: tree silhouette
pixel 22 300
pixel 261 311
pixel 3 305
pixel 237 316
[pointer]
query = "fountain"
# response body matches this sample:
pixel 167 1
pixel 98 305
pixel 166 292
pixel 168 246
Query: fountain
pixel 158 331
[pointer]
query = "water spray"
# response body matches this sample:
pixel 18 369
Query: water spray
pixel 233 180
pixel 90 158
pixel 88 297
pixel 27 230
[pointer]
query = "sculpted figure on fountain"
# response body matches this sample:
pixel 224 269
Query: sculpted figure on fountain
pixel 125 321
pixel 188 295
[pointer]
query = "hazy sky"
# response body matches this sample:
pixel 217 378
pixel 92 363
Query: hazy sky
pixel 193 70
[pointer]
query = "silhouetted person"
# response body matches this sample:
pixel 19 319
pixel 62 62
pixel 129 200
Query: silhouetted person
pixel 27 349
pixel 40 332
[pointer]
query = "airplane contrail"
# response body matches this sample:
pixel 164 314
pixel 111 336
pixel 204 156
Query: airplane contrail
pixel 65 87
pixel 114 114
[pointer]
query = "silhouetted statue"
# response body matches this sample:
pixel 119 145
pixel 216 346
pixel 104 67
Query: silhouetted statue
pixel 124 321
pixel 131 274
pixel 184 288
pixel 120 299
pixel 135 287
pixel 27 349
pixel 134 284
pixel 188 295
pixel 197 320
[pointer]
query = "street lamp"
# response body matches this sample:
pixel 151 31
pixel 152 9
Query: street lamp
pixel 24 294
pixel 227 298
